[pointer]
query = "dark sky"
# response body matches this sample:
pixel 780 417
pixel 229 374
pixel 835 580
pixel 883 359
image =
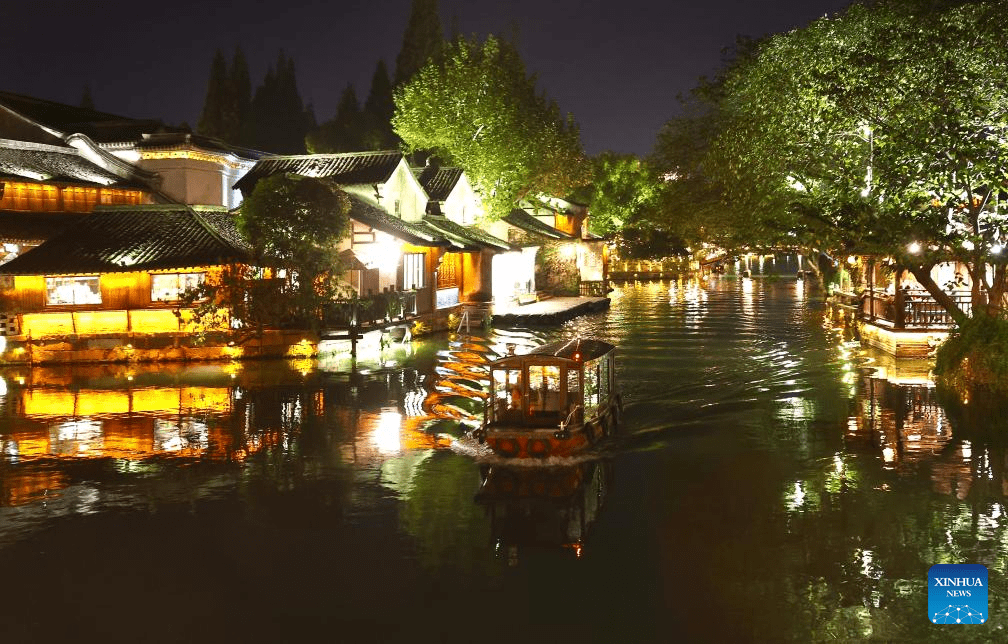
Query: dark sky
pixel 617 66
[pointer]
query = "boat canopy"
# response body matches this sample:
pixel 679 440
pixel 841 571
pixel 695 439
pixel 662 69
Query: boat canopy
pixel 575 349
pixel 566 380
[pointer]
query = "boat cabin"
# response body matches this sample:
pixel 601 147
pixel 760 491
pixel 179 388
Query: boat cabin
pixel 566 382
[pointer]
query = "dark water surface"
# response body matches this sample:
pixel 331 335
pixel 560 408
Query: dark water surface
pixel 771 482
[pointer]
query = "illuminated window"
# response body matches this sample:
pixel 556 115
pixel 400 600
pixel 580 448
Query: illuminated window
pixel 448 272
pixel 413 270
pixel 73 290
pixel 170 287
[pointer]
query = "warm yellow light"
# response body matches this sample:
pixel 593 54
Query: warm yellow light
pixel 193 155
pixel 386 435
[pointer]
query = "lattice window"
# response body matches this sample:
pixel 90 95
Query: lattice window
pixel 448 272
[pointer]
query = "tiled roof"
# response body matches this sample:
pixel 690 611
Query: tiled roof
pixel 18 227
pixel 350 168
pixel 136 238
pixel 18 128
pixel 468 237
pixel 438 181
pixel 417 233
pixel 102 127
pixel 38 162
pixel 523 220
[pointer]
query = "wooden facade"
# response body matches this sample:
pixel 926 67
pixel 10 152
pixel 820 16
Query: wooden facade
pixel 127 305
pixel 56 197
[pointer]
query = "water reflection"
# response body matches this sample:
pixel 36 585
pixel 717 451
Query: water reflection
pixel 802 485
pixel 542 507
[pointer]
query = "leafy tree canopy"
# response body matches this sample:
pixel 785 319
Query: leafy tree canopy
pixel 478 108
pixel 422 40
pixel 622 185
pixel 294 226
pixel 865 132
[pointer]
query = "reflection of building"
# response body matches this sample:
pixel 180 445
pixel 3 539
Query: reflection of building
pixel 905 421
pixel 132 424
pixel 908 427
pixel 543 507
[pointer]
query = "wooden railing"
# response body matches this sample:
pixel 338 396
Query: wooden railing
pixel 919 310
pixel 391 305
pixel 650 266
pixel 597 288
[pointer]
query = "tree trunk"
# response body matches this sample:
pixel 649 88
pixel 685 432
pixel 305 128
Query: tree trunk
pixel 923 275
pixel 813 265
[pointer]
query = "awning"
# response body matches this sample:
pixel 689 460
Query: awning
pixel 349 260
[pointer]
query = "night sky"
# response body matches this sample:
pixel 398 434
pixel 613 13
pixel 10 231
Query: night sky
pixel 617 66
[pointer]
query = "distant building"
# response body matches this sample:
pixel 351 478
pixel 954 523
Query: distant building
pixel 178 165
pixel 401 239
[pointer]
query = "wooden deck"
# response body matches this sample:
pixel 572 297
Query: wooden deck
pixel 553 311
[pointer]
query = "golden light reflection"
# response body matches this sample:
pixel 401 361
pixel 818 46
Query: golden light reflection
pixel 386 434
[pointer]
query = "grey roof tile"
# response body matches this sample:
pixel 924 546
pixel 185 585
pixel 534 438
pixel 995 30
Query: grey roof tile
pixel 19 227
pixel 350 168
pixel 438 181
pixel 50 163
pixel 521 219
pixel 136 238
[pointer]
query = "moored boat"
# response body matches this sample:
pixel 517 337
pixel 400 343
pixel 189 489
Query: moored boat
pixel 556 400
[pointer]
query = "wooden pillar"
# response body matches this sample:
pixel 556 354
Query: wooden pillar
pixel 899 300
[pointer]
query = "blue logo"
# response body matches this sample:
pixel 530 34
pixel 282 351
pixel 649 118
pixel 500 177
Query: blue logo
pixel 957 594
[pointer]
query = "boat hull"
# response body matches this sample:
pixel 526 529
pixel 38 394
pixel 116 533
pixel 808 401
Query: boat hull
pixel 542 443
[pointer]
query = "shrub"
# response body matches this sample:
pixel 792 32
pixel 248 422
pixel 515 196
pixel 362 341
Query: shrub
pixel 975 356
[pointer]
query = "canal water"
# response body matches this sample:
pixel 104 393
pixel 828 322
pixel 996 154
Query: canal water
pixel 771 482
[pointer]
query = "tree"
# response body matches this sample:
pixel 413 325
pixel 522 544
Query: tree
pixel 211 121
pixel 293 226
pixel 378 111
pixel 239 103
pixel 278 119
pixel 87 102
pixel 422 40
pixel 227 106
pixel 622 185
pixel 478 108
pixel 344 133
pixel 868 133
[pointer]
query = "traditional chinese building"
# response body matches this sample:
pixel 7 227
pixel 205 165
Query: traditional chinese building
pixel 401 241
pixel 109 286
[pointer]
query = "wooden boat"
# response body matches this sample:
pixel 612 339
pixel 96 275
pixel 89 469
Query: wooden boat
pixel 554 401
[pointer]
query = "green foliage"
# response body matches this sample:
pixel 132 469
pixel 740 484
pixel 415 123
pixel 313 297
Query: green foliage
pixel 211 122
pixel 859 133
pixel 556 270
pixel 278 120
pixel 378 111
pixel 622 187
pixel 343 132
pixel 228 99
pixel 477 108
pixel 293 225
pixel 353 129
pixel 976 355
pixel 422 40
